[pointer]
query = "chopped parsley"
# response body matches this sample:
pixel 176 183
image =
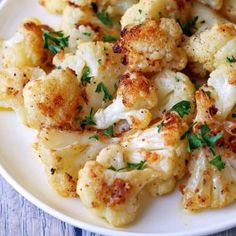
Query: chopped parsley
pixel 182 108
pixel 231 59
pixel 205 139
pixel 108 131
pixel 100 61
pixel 177 79
pixel 104 17
pixel 188 27
pixel 116 87
pixel 96 137
pixel 208 93
pixel 89 120
pixel 87 34
pixel 86 77
pixel 140 11
pixel 131 166
pixel 160 126
pixel 218 163
pixel 54 41
pixel 101 87
pixel 109 38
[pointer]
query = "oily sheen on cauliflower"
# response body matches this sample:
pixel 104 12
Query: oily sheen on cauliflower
pixel 25 48
pixel 135 95
pixel 113 195
pixel 12 83
pixel 163 149
pixel 64 153
pixel 152 46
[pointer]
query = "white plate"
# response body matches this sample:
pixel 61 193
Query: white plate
pixel 22 169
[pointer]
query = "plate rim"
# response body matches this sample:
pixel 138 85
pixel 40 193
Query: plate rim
pixel 99 229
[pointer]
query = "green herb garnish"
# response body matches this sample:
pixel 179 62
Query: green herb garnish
pixel 140 11
pixel 101 87
pixel 160 126
pixel 54 41
pixel 188 26
pixel 104 18
pixel 231 59
pixel 182 108
pixel 89 120
pixel 99 61
pixel 96 136
pixel 205 139
pixel 108 131
pixel 109 38
pixel 131 166
pixel 87 34
pixel 86 77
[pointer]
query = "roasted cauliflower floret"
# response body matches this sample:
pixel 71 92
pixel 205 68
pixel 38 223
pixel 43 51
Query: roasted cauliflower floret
pixel 229 10
pixel 203 47
pixel 54 6
pixel 135 96
pixel 154 9
pixel 172 88
pixel 209 187
pixel 52 100
pixel 64 153
pixel 25 48
pixel 215 4
pixel 12 82
pixel 162 148
pixel 113 195
pixel 152 46
pixel 96 66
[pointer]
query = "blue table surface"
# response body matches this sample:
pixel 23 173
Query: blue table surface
pixel 19 217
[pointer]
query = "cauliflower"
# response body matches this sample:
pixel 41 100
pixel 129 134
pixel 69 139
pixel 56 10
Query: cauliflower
pixel 215 4
pixel 96 66
pixel 54 6
pixel 154 9
pixel 135 96
pixel 173 87
pixel 113 195
pixel 207 17
pixel 64 153
pixel 83 23
pixel 229 10
pixel 204 46
pixel 12 82
pixel 211 98
pixel 25 48
pixel 52 100
pixel 162 147
pixel 209 187
pixel 152 46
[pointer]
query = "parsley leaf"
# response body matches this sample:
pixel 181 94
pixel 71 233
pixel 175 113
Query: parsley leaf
pixel 101 87
pixel 116 87
pixel 188 26
pixel 87 34
pixel 96 136
pixel 131 166
pixel 108 131
pixel 218 163
pixel 231 59
pixel 203 138
pixel 140 11
pixel 54 41
pixel 89 120
pixel 182 108
pixel 109 38
pixel 136 166
pixel 104 18
pixel 86 77
pixel 160 126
